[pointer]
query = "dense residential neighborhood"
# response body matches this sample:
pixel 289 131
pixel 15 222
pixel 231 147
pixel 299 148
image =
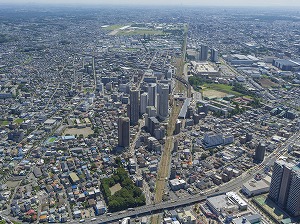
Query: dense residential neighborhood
pixel 148 115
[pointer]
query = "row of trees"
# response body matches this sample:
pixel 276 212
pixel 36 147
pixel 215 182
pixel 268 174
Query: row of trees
pixel 128 197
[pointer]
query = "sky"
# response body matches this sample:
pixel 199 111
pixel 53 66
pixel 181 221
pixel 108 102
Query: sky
pixel 263 3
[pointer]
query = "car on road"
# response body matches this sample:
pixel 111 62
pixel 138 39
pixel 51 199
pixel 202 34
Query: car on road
pixel 93 219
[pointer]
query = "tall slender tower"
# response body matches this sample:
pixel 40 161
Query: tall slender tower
pixel 214 57
pixel 260 152
pixel 285 186
pixel 144 103
pixel 293 201
pixel 163 101
pixel 123 132
pixel 204 53
pixel 152 91
pixel 134 106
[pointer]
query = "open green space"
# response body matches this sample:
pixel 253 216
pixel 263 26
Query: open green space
pixel 114 27
pixel 222 88
pixel 3 123
pixel 140 32
pixel 51 139
pixel 18 120
pixel 129 196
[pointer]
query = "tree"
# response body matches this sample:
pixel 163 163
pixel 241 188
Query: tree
pixel 118 162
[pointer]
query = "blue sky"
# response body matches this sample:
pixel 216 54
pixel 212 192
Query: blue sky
pixel 271 3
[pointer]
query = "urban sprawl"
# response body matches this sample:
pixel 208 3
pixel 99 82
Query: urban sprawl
pixel 149 115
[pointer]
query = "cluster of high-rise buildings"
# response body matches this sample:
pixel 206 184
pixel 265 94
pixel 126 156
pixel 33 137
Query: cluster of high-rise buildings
pixel 153 103
pixel 285 186
pixel 203 54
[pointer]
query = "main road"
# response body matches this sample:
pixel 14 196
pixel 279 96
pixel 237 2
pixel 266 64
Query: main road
pixel 232 185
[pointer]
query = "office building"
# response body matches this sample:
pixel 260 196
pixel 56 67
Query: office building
pixel 152 91
pixel 163 101
pixel 151 111
pixel 173 173
pixel 214 57
pixel 293 201
pixel 144 103
pixel 212 139
pixel 260 152
pixel 177 127
pixel 134 106
pixel 285 187
pixel 170 73
pixel 249 137
pixel 204 53
pixel 123 132
pixel 153 124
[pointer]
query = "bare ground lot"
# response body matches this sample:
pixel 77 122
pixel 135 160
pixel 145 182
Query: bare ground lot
pixel 267 83
pixel 77 131
pixel 115 188
pixel 211 93
pixel 12 184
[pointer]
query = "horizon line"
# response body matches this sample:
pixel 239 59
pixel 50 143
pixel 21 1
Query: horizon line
pixel 64 4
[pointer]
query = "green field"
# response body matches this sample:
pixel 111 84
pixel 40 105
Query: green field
pixel 113 27
pixel 140 32
pixel 3 123
pixel 18 120
pixel 221 87
pixel 51 140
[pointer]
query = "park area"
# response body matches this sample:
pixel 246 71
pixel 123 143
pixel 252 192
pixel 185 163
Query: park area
pixel 51 140
pixel 120 192
pixel 115 188
pixel 214 90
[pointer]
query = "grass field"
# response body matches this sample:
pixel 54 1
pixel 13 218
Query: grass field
pixel 114 27
pixel 221 88
pixel 3 123
pixel 51 140
pixel 18 120
pixel 139 32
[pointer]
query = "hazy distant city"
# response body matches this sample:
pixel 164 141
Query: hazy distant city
pixel 173 115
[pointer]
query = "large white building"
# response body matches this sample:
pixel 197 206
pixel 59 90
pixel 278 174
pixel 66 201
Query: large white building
pixel 253 188
pixel 212 139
